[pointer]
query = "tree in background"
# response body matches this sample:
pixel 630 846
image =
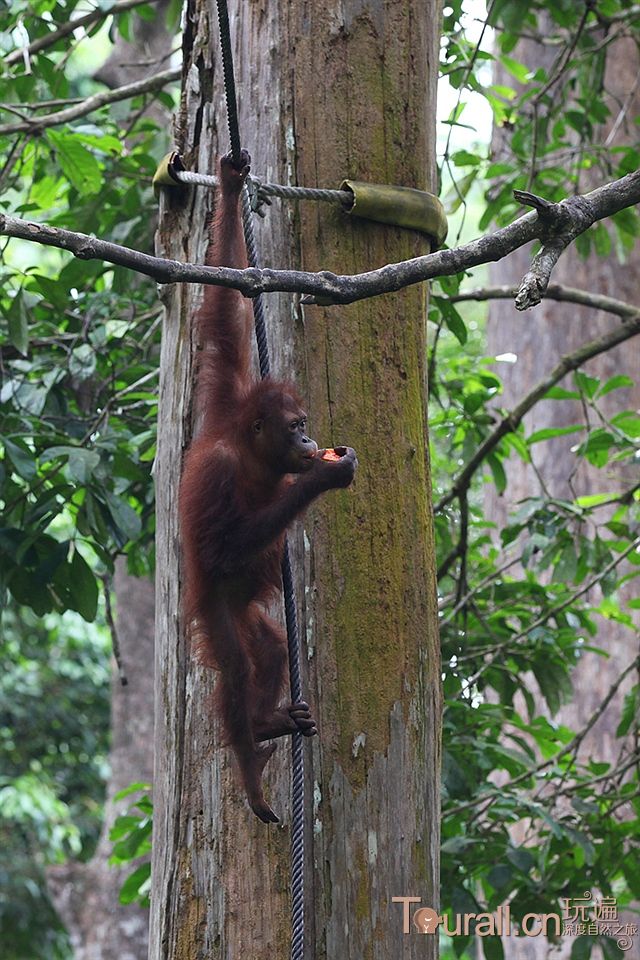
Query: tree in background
pixel 554 582
pixel 555 473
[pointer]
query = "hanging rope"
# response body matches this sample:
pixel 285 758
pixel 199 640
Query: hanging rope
pixel 257 302
pixel 297 753
pixel 229 81
pixel 293 643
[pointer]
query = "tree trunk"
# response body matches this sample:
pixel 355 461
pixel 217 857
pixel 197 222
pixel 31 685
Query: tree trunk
pixel 330 91
pixel 86 894
pixel 553 329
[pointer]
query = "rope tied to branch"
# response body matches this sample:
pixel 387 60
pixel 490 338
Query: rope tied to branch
pixel 262 192
pixel 405 207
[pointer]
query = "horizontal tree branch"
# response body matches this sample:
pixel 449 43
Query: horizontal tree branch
pixel 602 202
pixel 99 13
pixel 555 291
pixel 36 124
pixel 511 420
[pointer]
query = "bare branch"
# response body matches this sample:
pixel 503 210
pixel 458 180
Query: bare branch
pixel 555 291
pixel 42 104
pixel 602 202
pixel 562 225
pixel 36 124
pixel 99 13
pixel 107 585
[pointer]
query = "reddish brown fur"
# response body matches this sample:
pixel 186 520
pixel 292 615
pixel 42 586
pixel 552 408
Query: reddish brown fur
pixel 249 472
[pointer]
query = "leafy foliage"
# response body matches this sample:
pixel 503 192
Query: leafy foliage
pixel 131 837
pixel 79 346
pixel 528 818
pixel 78 396
pixel 54 724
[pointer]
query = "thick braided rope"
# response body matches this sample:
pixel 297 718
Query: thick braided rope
pixel 257 302
pixel 297 767
pixel 297 774
pixel 229 80
pixel 343 198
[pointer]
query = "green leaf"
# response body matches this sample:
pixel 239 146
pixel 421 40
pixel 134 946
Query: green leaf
pixel 19 326
pixel 82 463
pixel 627 221
pixel 584 844
pixel 615 383
pixel 101 141
pixel 456 324
pixel 462 158
pixel 548 432
pixel 559 393
pixel 125 518
pixel 549 684
pixel 588 385
pixel 45 191
pixel 581 948
pixel 500 876
pixel 520 71
pixel 492 947
pixel 76 162
pixel 593 499
pixel 22 458
pixel 498 473
pixel 84 588
pixel 602 240
pixel 628 422
pixel 82 364
pixel 521 858
pixel 629 712
pixel 122 827
pixel 455 845
pixel 132 788
pixel 596 448
pixel 566 566
pixel 610 948
pixel 499 169
pixel 52 291
pixel 134 843
pixel 133 887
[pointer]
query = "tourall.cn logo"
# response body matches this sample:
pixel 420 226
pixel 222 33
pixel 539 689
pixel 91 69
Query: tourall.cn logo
pixel 581 917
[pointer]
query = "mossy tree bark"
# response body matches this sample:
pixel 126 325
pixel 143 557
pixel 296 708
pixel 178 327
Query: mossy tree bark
pixel 326 91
